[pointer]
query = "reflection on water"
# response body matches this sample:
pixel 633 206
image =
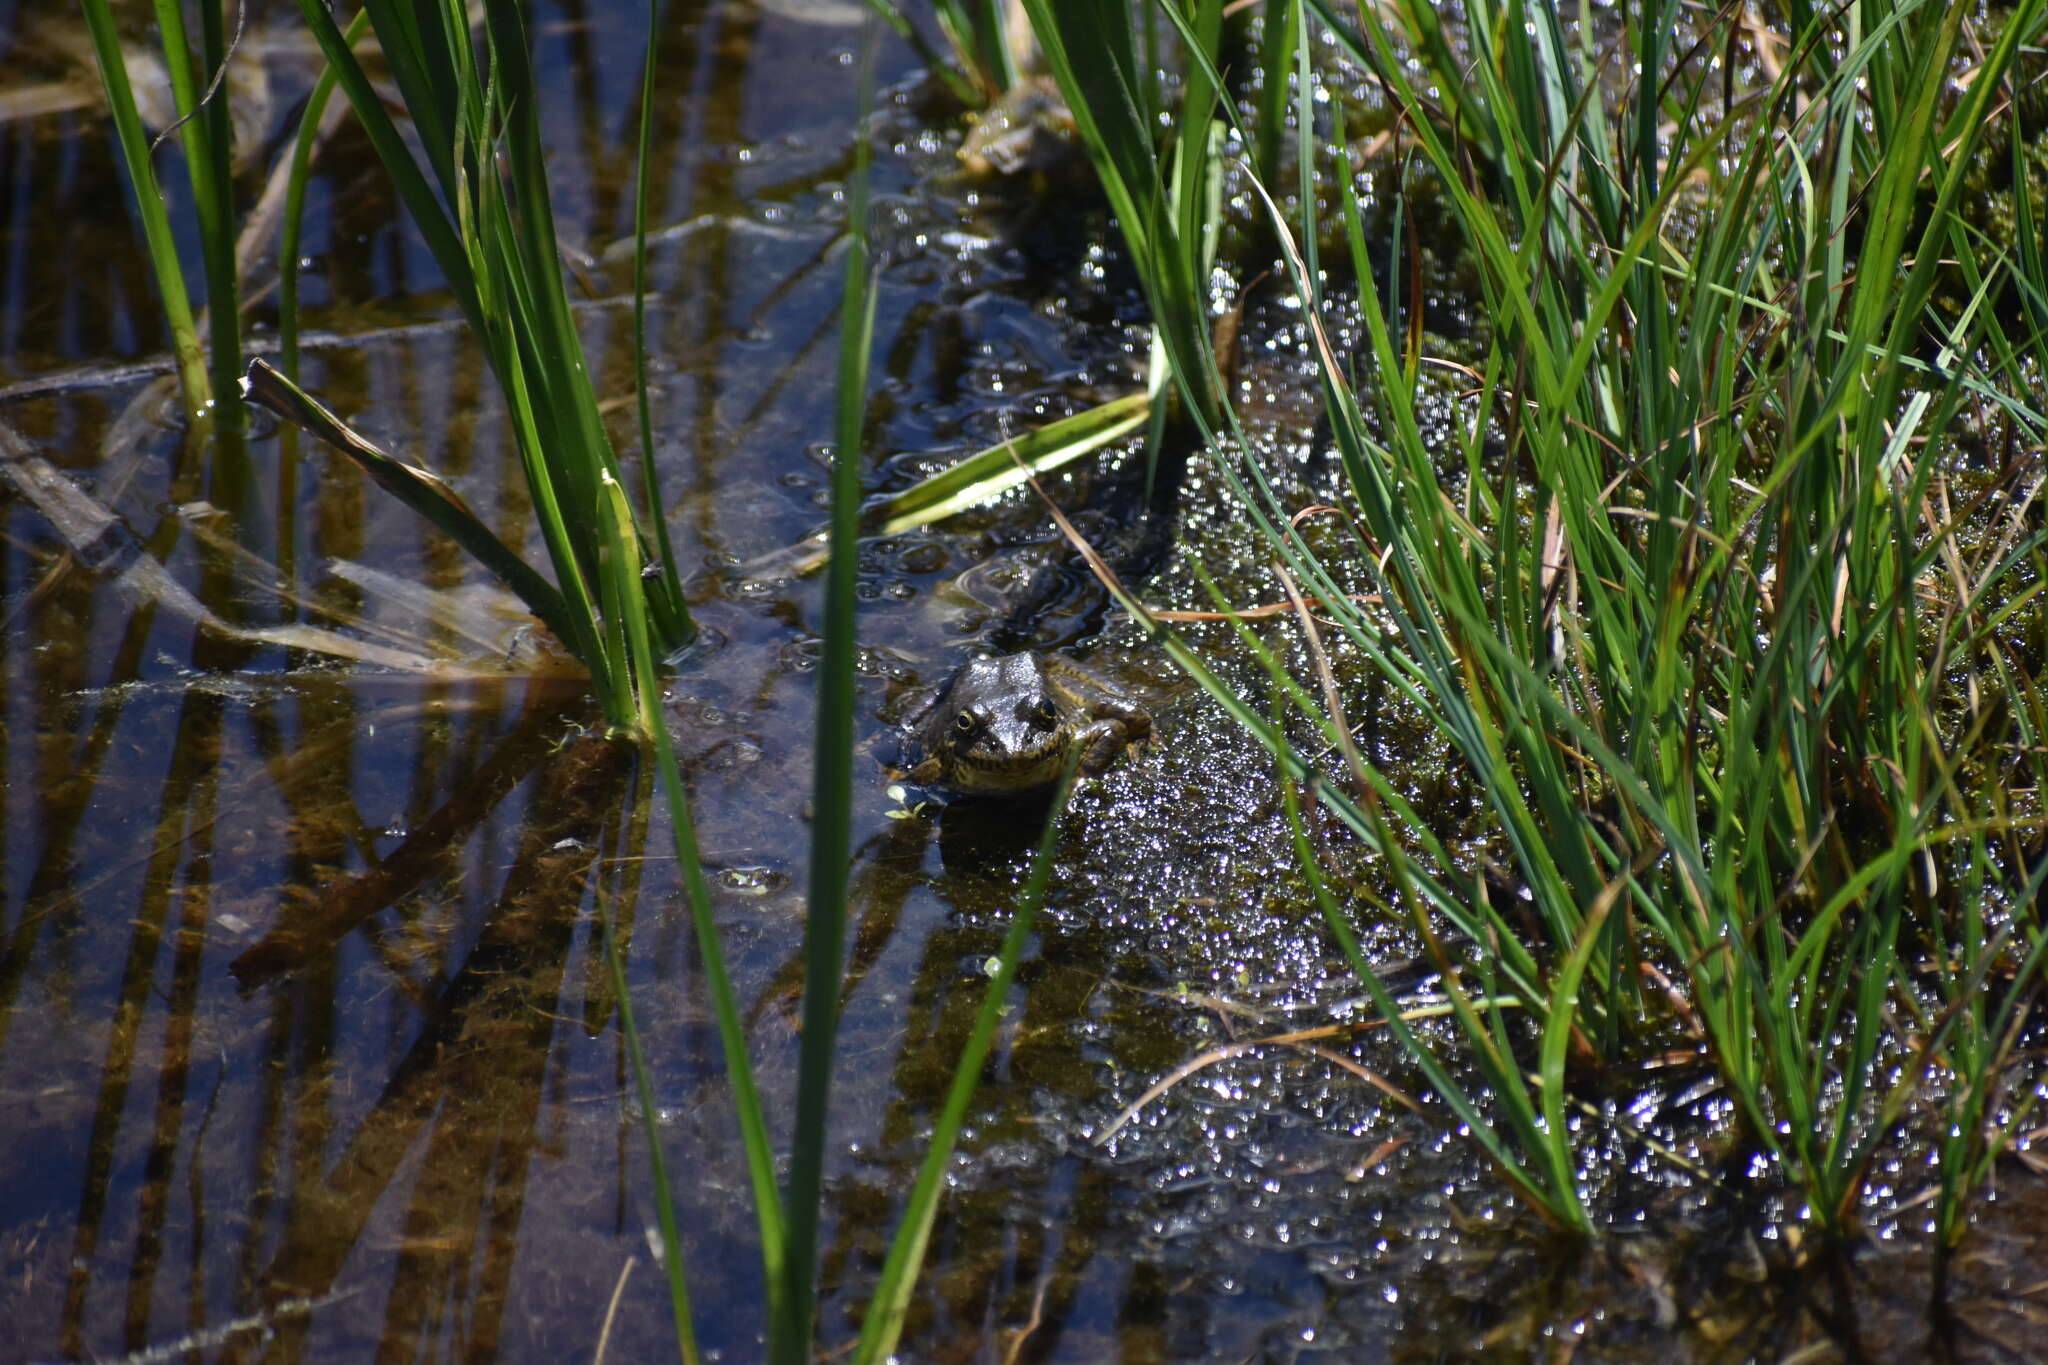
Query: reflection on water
pixel 306 1049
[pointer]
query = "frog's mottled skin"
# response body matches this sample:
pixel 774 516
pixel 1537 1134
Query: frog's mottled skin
pixel 1007 724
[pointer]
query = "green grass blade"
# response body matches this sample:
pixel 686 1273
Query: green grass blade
pixel 977 479
pixel 1282 35
pixel 832 774
pixel 650 482
pixel 755 1141
pixel 149 203
pixel 293 219
pixel 203 132
pixel 987 474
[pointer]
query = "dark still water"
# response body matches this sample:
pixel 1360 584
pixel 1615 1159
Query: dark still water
pixel 308 1048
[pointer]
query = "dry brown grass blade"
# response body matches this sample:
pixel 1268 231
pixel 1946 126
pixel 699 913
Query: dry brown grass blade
pixel 1369 599
pixel 1328 681
pixel 1301 1038
pixel 1095 562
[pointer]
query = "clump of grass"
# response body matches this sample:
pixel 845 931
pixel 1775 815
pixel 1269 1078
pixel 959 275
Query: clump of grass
pixel 1733 674
pixel 1699 630
pixel 477 190
pixel 1165 193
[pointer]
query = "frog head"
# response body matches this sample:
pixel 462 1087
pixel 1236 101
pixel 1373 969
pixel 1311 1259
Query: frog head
pixel 997 727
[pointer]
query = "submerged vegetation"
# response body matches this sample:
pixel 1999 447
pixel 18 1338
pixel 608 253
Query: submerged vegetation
pixel 1712 591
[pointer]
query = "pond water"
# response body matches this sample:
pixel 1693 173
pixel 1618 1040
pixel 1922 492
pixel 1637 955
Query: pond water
pixel 307 1047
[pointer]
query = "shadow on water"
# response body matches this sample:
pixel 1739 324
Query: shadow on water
pixel 306 1047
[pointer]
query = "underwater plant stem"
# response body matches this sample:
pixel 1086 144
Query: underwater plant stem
pixel 664 1199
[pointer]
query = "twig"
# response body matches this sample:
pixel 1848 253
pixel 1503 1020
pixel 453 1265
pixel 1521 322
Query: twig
pixel 1297 1038
pixel 1328 680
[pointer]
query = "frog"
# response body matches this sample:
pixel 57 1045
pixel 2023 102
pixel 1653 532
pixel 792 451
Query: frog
pixel 1005 725
pixel 1028 130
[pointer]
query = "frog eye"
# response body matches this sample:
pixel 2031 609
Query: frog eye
pixel 965 724
pixel 1042 716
